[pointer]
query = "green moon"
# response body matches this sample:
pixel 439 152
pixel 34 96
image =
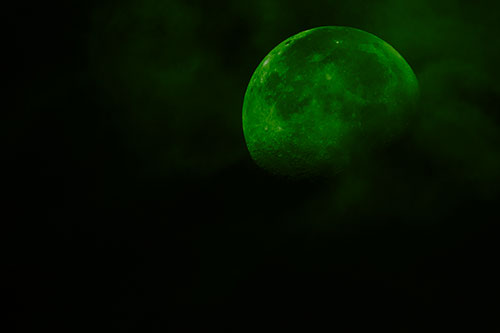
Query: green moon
pixel 324 96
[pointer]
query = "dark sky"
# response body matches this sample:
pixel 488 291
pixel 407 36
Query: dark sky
pixel 130 189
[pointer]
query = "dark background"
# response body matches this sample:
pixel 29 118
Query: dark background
pixel 131 192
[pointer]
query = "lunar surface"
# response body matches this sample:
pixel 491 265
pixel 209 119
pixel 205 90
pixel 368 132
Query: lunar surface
pixel 323 96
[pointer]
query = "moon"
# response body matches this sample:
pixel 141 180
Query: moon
pixel 324 96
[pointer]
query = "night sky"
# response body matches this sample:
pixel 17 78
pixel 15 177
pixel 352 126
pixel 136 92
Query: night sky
pixel 130 190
